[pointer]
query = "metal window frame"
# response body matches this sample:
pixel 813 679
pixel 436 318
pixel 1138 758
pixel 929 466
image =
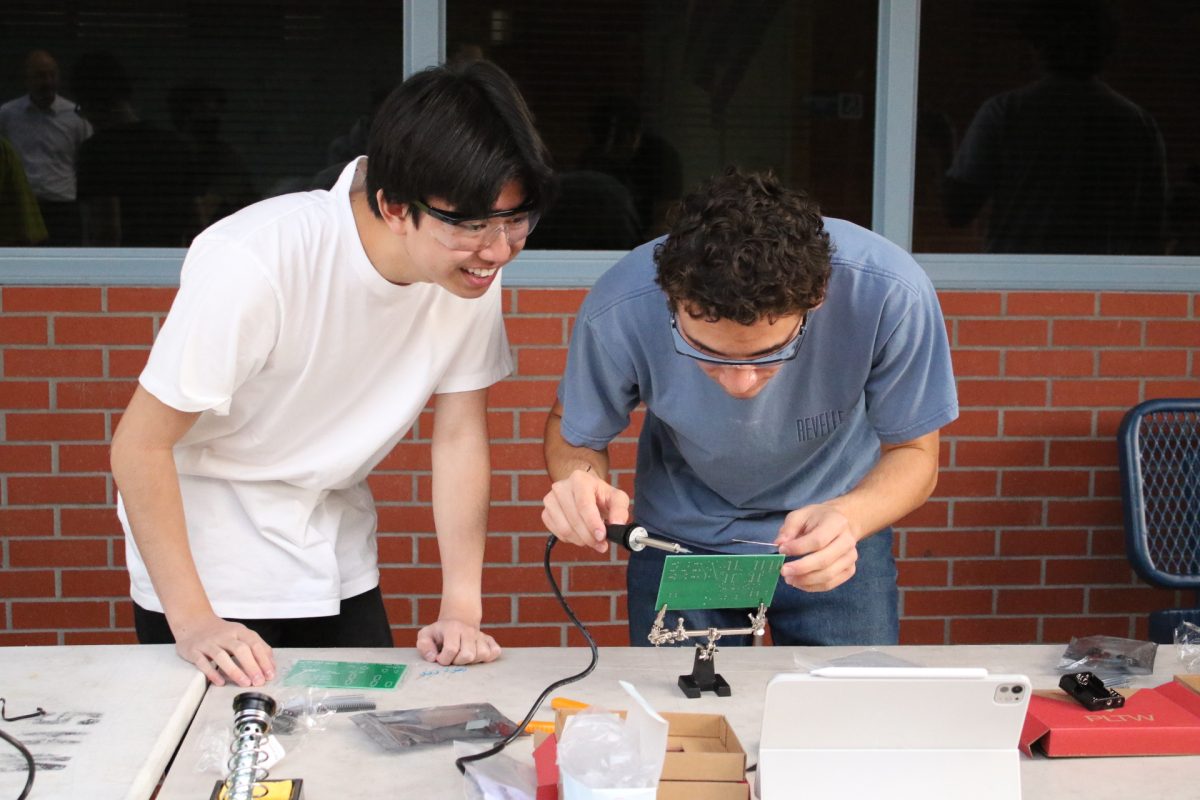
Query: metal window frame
pixel 892 203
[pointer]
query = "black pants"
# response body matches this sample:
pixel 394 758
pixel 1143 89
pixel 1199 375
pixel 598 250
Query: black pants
pixel 362 622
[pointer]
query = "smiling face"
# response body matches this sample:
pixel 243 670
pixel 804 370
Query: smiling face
pixel 731 340
pixel 464 273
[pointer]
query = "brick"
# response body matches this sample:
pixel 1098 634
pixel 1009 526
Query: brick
pixel 123 610
pixel 516 519
pixel 501 425
pixel 922 572
pixel 19 458
pixel 24 394
pixel 113 395
pixel 966 483
pixel 947 602
pixel 1088 571
pixel 998 572
pixel 390 487
pixel 408 456
pixel 995 630
pixel 1003 333
pixel 66 614
pixel 95 583
pixel 1066 513
pixel 51 489
pixel 532 487
pixel 532 548
pixel 970 304
pixel 24 330
pixel 50 298
pixel 1108 422
pixel 529 635
pixel 8 639
pixel 1132 600
pixel 26 522
pixel 1039 601
pixel 400 610
pixel 1050 363
pixel 622 455
pixel 1106 483
pixel 100 521
pixel 1096 333
pixel 922 631
pixel 523 394
pixel 1173 334
pixel 934 514
pixel 535 330
pixel 1002 393
pixel 944 544
pixel 1047 423
pixel 974 422
pixel 497 549
pixel 1050 304
pixel 501 488
pixel 1090 453
pixel 57 552
pixel 991 513
pixel 26 583
pixel 99 637
pixel 616 635
pixel 1108 543
pixel 395 549
pixel 1061 629
pixel 122 299
pixel 541 361
pixel 975 363
pixel 1094 393
pixel 1179 388
pixel 596 578
pixel 127 363
pixel 550 301
pixel 518 456
pixel 1044 483
pixel 27 427
pixel 412 580
pixel 83 458
pixel 516 579
pixel 1136 305
pixel 546 608
pixel 532 424
pixel 106 329
pixel 1015 453
pixel 37 362
pixel 1143 363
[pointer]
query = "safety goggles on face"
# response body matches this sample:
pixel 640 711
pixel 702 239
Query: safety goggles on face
pixel 460 232
pixel 785 352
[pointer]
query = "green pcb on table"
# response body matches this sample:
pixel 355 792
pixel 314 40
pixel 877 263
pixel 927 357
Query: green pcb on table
pixel 344 675
pixel 701 582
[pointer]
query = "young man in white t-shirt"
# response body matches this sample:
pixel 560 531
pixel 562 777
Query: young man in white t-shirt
pixel 308 334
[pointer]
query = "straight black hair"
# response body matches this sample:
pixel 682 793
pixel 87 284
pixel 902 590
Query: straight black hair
pixel 458 134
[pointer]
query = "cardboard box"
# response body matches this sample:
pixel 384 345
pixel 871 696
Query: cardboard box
pixel 705 760
pixel 1164 720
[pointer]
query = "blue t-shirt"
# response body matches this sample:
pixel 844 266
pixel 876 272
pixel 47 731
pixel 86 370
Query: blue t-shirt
pixel 874 366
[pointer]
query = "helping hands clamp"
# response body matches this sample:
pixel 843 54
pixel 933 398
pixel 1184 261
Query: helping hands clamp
pixel 704 677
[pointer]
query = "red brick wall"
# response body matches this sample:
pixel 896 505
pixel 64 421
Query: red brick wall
pixel 1022 541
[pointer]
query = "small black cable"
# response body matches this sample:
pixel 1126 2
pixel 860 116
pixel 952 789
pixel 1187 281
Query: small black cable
pixel 461 763
pixel 28 759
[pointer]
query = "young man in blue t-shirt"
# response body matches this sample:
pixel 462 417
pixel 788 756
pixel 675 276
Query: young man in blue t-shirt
pixel 795 373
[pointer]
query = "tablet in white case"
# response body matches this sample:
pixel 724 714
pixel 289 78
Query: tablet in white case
pixel 900 734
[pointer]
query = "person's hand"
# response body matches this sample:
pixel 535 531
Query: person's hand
pixel 826 539
pixel 449 641
pixel 578 506
pixel 221 649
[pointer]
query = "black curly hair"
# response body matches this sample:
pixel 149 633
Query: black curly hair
pixel 744 247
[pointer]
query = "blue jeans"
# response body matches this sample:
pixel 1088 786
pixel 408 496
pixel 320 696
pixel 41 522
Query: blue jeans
pixel 862 611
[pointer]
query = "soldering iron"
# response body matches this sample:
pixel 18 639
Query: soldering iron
pixel 633 537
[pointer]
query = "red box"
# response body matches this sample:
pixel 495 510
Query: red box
pixel 1161 721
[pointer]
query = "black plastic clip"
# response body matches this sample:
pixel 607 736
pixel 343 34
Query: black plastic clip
pixel 1090 691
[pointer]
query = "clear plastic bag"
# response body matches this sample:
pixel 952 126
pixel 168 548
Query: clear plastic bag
pixel 599 750
pixel 1187 641
pixel 1110 658
pixel 422 727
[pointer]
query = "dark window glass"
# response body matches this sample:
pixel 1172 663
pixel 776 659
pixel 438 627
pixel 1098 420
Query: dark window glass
pixel 638 101
pixel 187 110
pixel 1059 127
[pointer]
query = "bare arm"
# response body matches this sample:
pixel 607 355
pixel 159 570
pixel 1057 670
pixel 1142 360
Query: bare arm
pixel 827 533
pixel 581 500
pixel 461 493
pixel 144 468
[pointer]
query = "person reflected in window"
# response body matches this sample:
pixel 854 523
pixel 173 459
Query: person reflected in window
pixel 136 186
pixel 222 179
pixel 1068 164
pixel 46 132
pixel 647 164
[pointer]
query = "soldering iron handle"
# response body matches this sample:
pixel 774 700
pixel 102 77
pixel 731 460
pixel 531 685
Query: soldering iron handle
pixel 620 534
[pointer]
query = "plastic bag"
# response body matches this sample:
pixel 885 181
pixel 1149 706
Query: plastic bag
pixel 498 777
pixel 303 710
pixel 1187 641
pixel 598 750
pixel 421 727
pixel 1110 658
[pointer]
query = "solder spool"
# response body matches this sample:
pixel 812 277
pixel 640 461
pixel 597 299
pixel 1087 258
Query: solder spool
pixel 252 714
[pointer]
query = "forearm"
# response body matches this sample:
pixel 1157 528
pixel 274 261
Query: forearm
pixel 901 481
pixel 563 458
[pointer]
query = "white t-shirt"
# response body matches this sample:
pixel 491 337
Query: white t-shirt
pixel 48 143
pixel 308 367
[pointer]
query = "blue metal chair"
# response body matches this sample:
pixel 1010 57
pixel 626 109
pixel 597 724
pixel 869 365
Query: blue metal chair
pixel 1159 455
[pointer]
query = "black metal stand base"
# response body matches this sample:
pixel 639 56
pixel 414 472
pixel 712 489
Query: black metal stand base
pixel 703 678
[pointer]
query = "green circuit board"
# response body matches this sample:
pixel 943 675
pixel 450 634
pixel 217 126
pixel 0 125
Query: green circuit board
pixel 700 582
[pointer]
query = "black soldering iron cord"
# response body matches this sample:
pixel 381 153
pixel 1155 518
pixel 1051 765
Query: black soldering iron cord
pixel 28 759
pixel 461 763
